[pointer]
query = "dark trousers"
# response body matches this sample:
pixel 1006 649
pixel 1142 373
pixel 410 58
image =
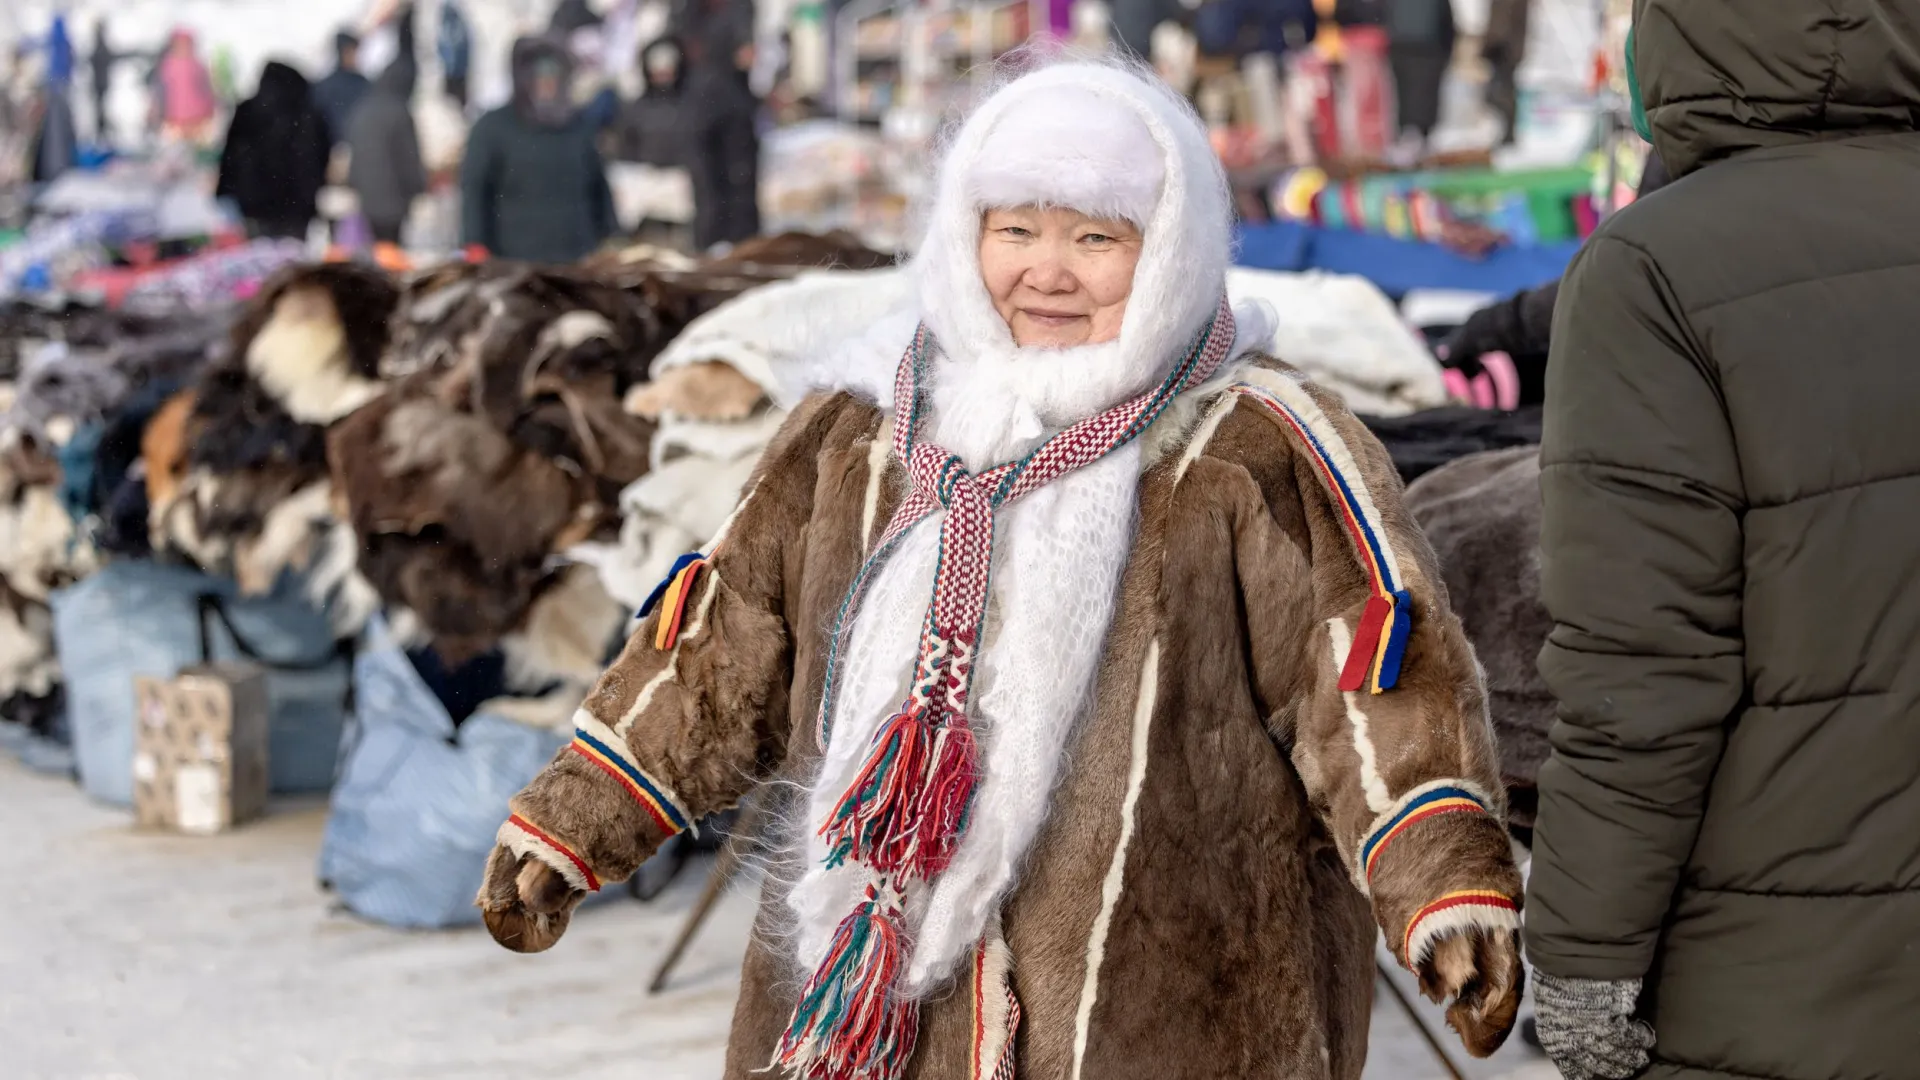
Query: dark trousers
pixel 1503 97
pixel 724 164
pixel 385 232
pixel 1418 71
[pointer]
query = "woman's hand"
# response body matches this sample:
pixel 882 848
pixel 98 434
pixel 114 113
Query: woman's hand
pixel 525 902
pixel 1481 971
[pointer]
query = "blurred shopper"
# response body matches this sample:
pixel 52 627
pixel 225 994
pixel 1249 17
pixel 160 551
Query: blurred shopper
pixel 1504 48
pixel 275 158
pixel 1420 35
pixel 337 94
pixel 100 64
pixel 652 127
pixel 1724 873
pixel 533 185
pixel 57 144
pixel 386 170
pixel 184 103
pixel 723 149
pixel 454 43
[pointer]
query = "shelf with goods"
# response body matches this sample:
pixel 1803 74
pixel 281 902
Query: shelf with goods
pixel 929 56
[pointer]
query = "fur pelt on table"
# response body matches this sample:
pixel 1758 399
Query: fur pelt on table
pixel 1423 441
pixel 1482 515
pixel 500 443
pixel 236 467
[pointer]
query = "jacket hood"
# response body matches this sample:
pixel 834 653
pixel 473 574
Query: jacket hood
pixel 1105 139
pixel 532 52
pixel 282 86
pixel 1721 78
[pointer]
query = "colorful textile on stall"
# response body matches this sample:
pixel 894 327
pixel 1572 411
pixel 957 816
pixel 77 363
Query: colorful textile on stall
pixel 1541 206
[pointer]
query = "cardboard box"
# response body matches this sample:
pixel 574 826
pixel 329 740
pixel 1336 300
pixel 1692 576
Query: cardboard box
pixel 200 751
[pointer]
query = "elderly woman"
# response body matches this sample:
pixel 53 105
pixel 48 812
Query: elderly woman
pixel 1115 699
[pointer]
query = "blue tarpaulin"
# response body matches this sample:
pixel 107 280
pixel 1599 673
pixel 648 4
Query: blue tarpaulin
pixel 1399 266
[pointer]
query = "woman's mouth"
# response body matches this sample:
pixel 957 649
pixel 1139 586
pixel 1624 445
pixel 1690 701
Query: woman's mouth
pixel 1048 317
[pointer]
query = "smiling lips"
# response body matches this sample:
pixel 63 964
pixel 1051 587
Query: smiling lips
pixel 1046 317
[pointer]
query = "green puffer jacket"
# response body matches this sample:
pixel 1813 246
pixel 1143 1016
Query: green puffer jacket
pixel 1731 555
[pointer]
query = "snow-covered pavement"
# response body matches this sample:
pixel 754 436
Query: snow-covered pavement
pixel 142 956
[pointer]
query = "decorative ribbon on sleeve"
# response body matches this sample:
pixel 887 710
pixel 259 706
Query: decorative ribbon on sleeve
pixel 671 597
pixel 1380 643
pixel 1420 804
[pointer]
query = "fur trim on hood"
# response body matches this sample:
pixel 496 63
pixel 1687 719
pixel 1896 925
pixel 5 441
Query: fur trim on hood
pixel 1011 149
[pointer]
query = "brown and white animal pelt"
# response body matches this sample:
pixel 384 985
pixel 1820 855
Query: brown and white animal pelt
pixel 1482 515
pixel 28 663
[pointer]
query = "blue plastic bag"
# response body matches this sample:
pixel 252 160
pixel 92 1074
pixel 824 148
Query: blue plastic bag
pixel 142 618
pixel 418 804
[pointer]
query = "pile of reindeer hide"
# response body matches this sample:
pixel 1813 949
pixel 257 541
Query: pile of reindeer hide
pixel 1482 514
pixel 236 466
pixel 72 381
pixel 499 443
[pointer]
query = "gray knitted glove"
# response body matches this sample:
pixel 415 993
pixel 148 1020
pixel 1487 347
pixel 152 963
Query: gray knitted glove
pixel 1587 1027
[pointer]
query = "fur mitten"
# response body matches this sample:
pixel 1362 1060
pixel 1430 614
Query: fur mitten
pixel 1481 972
pixel 1587 1026
pixel 525 903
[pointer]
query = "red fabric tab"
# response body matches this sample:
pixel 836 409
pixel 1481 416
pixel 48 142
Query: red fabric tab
pixel 1366 643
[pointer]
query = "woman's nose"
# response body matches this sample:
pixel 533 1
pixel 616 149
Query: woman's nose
pixel 1049 273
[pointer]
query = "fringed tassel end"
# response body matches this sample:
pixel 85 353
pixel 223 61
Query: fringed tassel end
pixel 850 1024
pixel 872 818
pixel 944 798
pixel 904 812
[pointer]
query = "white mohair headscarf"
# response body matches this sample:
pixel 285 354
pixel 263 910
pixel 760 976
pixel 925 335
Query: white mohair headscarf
pixel 1107 140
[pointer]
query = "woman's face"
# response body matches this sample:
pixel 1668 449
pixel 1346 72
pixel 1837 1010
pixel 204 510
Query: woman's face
pixel 1058 277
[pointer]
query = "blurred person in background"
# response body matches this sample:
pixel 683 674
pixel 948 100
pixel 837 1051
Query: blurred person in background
pixel 183 99
pixel 274 161
pixel 533 185
pixel 723 148
pixel 1420 36
pixel 1504 47
pixel 340 91
pixel 454 43
pixel 385 169
pixel 652 127
pixel 100 71
pixel 57 144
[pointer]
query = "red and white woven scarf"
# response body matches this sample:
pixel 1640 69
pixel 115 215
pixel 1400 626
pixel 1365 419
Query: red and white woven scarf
pixel 906 809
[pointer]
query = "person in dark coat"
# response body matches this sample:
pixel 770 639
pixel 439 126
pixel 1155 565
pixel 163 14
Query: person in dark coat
pixel 532 184
pixel 723 151
pixel 1726 871
pixel 651 128
pixel 385 170
pixel 343 87
pixel 274 161
pixel 1420 36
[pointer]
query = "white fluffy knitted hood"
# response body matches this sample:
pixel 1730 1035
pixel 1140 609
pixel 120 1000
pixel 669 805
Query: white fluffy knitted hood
pixel 1105 139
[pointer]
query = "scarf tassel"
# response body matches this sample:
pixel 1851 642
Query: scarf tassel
pixel 850 1024
pixel 905 810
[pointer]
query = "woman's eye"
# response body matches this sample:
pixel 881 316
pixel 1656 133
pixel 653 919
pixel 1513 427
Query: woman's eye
pixel 1097 238
pixel 1017 232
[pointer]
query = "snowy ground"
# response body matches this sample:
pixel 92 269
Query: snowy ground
pixel 137 956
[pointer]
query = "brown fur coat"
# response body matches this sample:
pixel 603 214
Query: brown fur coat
pixel 1195 904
